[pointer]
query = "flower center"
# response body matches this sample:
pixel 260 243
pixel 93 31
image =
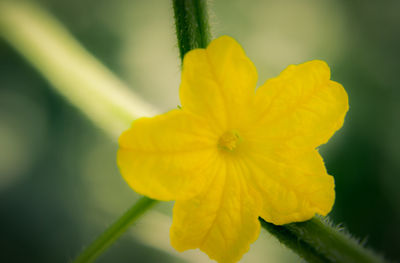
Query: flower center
pixel 229 140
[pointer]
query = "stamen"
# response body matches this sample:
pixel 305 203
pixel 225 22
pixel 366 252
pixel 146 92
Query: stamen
pixel 229 140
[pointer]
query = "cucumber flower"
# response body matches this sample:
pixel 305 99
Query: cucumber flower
pixel 232 153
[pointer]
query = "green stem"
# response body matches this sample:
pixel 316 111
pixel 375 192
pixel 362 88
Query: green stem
pixel 317 240
pixel 191 21
pixel 292 242
pixel 115 230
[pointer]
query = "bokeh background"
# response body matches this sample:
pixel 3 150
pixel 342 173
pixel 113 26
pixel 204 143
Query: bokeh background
pixel 59 184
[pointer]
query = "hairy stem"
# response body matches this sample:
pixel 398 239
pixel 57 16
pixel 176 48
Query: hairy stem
pixel 191 21
pixel 290 240
pixel 317 240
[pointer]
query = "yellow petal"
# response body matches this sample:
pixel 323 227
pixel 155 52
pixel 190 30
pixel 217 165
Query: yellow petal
pixel 222 221
pixel 163 157
pixel 301 107
pixel 294 185
pixel 218 82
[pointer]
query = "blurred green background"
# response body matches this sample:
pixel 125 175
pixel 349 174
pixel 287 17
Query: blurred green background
pixel 59 184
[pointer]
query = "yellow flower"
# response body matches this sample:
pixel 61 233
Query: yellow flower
pixel 233 153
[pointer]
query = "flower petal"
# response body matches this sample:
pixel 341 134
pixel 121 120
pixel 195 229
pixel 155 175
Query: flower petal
pixel 301 107
pixel 218 82
pixel 163 157
pixel 222 222
pixel 294 185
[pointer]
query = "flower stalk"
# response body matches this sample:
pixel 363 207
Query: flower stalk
pixel 105 100
pixel 112 233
